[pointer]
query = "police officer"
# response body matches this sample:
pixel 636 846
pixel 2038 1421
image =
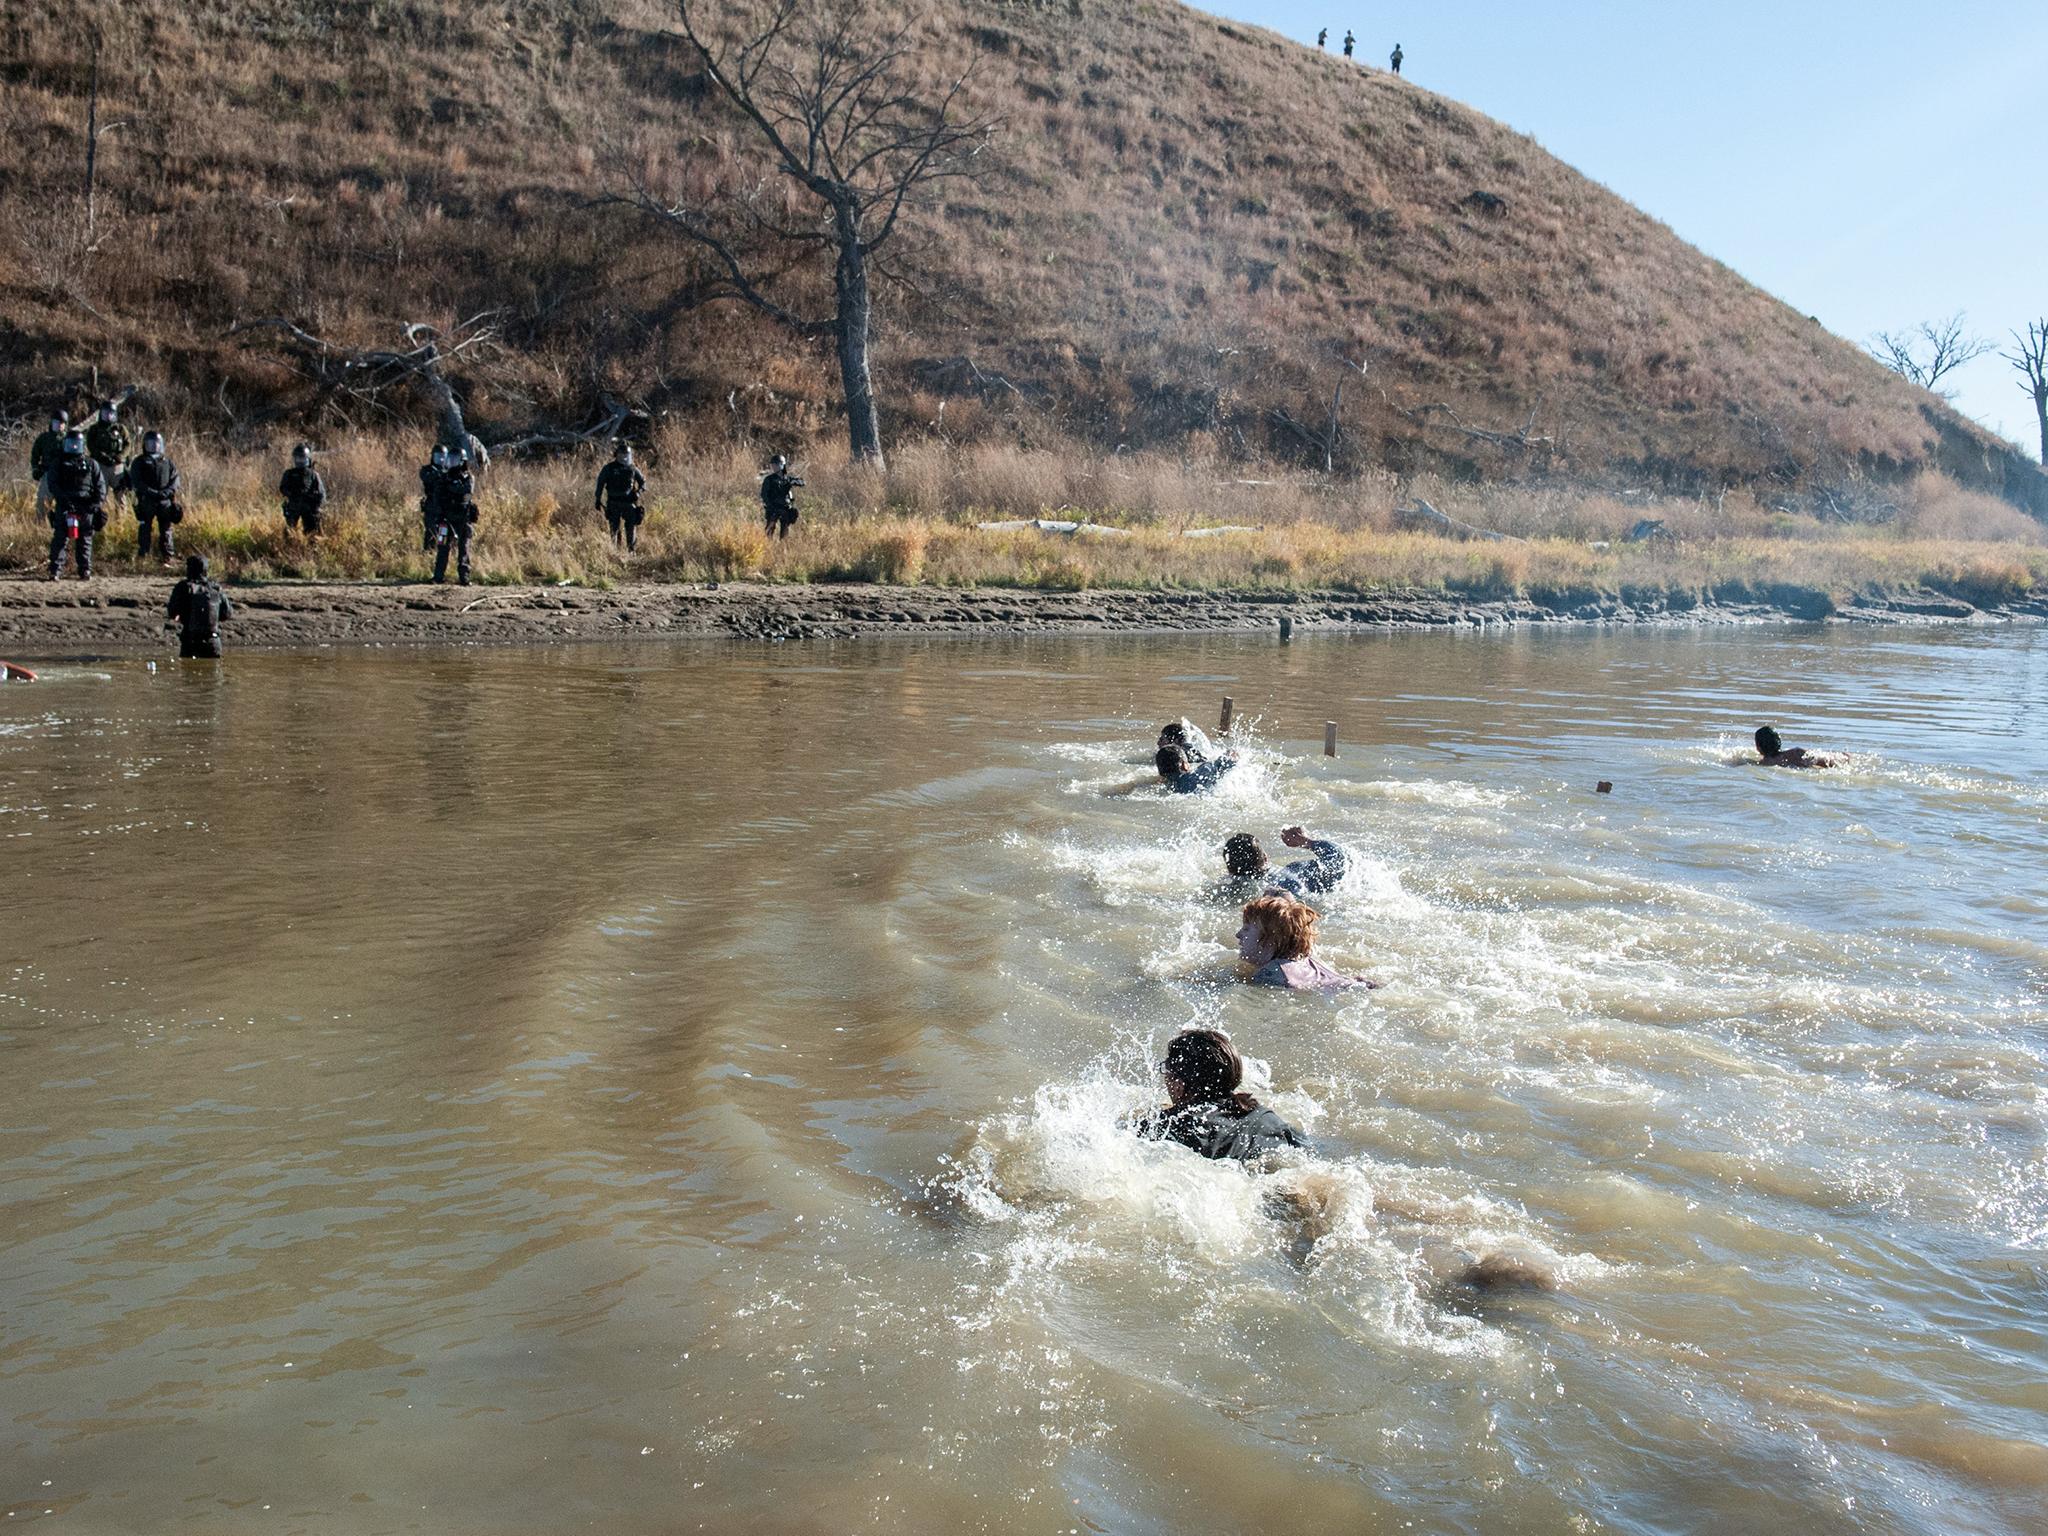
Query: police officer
pixel 451 513
pixel 1395 58
pixel 778 498
pixel 73 494
pixel 42 453
pixel 304 492
pixel 430 478
pixel 152 479
pixel 1349 40
pixel 197 606
pixel 619 485
pixel 1323 38
pixel 107 441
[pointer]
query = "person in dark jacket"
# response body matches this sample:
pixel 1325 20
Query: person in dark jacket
pixel 107 441
pixel 73 494
pixel 1189 737
pixel 1395 58
pixel 430 477
pixel 451 513
pixel 1248 872
pixel 1182 777
pixel 778 498
pixel 1349 42
pixel 1773 752
pixel 152 479
pixel 42 453
pixel 1207 1110
pixel 304 492
pixel 1323 38
pixel 197 607
pixel 619 485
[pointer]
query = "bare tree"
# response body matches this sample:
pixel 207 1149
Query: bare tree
pixel 1930 351
pixel 2030 357
pixel 833 104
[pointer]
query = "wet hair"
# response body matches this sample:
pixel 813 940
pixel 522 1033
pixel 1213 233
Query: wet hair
pixel 1288 925
pixel 1242 854
pixel 1768 742
pixel 1173 734
pixel 195 567
pixel 1171 762
pixel 1208 1069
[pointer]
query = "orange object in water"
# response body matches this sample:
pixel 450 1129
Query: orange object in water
pixel 14 674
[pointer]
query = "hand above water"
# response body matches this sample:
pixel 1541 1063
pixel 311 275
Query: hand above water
pixel 1294 837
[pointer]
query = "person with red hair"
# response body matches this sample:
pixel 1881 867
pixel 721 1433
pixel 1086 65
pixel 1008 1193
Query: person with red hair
pixel 1278 941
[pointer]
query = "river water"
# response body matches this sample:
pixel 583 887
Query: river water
pixel 675 1087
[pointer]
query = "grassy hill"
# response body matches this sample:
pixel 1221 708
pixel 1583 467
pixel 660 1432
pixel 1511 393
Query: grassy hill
pixel 1187 223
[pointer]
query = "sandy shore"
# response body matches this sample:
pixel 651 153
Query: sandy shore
pixel 125 613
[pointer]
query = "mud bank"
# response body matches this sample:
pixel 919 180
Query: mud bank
pixel 125 613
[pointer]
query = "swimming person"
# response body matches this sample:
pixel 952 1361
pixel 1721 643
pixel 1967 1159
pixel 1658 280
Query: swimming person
pixel 1207 1110
pixel 1278 941
pixel 1184 777
pixel 1776 754
pixel 1189 737
pixel 1248 872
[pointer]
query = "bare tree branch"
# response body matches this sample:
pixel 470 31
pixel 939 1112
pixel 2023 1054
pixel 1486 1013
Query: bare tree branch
pixel 2029 358
pixel 1930 351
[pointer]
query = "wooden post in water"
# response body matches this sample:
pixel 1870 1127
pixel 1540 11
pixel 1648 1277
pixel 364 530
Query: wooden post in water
pixel 1286 628
pixel 1329 738
pixel 1223 725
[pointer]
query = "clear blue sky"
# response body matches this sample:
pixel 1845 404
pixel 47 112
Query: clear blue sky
pixel 1874 163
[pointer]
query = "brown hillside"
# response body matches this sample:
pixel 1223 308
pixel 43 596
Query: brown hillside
pixel 1186 223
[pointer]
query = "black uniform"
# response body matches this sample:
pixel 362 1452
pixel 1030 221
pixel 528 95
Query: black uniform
pixel 451 518
pixel 1223 1130
pixel 1348 41
pixel 1394 59
pixel 153 482
pixel 778 501
pixel 79 492
pixel 304 493
pixel 618 497
pixel 44 452
pixel 106 442
pixel 198 606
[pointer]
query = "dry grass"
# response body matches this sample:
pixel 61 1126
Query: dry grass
pixel 918 524
pixel 1185 221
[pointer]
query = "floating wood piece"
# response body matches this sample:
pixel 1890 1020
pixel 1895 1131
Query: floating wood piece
pixel 1223 725
pixel 1329 738
pixel 1604 787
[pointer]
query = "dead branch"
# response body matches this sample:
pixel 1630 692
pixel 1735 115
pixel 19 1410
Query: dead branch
pixel 1423 515
pixel 1522 440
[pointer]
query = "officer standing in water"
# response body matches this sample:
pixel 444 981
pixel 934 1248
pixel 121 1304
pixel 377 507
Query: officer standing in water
pixel 619 485
pixel 73 493
pixel 49 443
pixel 197 607
pixel 452 513
pixel 304 492
pixel 152 479
pixel 778 498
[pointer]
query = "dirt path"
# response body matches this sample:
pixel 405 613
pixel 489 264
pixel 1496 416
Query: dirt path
pixel 124 613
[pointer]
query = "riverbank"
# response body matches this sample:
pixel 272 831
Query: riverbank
pixel 124 613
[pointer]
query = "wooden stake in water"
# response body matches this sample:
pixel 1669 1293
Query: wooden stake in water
pixel 1329 738
pixel 1223 725
pixel 1286 629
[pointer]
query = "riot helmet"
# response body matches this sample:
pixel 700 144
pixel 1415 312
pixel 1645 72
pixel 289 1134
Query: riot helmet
pixel 152 444
pixel 74 445
pixel 302 456
pixel 107 411
pixel 440 456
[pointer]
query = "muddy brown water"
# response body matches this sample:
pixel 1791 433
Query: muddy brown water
pixel 670 1087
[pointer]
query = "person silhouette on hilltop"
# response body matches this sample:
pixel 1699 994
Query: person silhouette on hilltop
pixel 1395 58
pixel 1349 42
pixel 1323 38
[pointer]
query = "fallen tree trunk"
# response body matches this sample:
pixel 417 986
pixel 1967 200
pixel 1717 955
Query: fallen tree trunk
pixel 1422 515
